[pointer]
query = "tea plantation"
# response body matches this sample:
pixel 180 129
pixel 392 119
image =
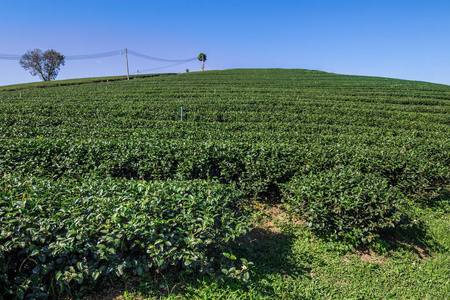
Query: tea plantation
pixel 102 182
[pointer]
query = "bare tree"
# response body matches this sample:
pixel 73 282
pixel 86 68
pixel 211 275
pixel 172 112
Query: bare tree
pixel 46 64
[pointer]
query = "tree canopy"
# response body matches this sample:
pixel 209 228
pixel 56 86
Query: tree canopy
pixel 202 57
pixel 44 64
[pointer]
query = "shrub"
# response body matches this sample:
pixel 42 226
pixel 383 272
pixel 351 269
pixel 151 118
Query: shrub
pixel 63 233
pixel 346 205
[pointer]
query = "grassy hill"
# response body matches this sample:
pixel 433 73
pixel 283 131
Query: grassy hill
pixel 78 81
pixel 333 186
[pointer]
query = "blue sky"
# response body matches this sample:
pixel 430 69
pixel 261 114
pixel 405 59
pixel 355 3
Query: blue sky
pixel 399 39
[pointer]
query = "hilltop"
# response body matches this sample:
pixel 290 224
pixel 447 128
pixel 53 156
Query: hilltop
pixel 319 179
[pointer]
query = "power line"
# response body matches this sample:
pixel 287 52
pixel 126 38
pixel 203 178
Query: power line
pixel 102 55
pixel 209 64
pixel 69 57
pixel 9 57
pixel 159 59
pixel 96 55
pixel 163 67
pixel 114 53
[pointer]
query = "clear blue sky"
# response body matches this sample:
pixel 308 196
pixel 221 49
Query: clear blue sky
pixel 399 39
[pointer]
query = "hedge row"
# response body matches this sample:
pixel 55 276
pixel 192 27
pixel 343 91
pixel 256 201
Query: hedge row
pixel 62 233
pixel 412 166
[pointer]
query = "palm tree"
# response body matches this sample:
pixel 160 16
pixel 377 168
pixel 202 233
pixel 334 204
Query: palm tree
pixel 202 58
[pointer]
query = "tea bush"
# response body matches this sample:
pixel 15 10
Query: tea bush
pixel 342 204
pixel 63 233
pixel 261 131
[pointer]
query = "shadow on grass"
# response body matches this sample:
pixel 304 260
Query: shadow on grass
pixel 273 258
pixel 413 238
pixel 271 253
pixel 441 200
pixel 416 237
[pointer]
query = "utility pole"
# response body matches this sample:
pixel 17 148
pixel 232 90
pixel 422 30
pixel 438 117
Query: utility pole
pixel 126 58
